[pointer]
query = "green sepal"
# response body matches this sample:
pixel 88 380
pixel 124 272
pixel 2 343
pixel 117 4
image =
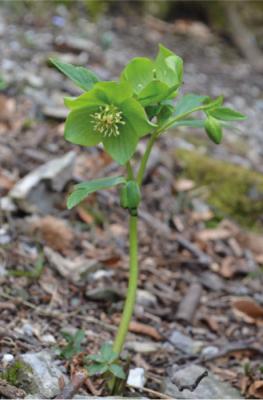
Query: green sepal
pixel 213 129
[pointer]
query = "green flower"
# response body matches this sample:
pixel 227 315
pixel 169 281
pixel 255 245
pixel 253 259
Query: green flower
pixel 107 114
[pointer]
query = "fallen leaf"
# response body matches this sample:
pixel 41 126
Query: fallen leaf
pixel 256 390
pixel 247 307
pixel 85 216
pixel 54 232
pixel 138 327
pixel 251 241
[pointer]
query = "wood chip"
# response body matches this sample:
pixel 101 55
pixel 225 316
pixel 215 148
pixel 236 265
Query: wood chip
pixel 246 307
pixel 137 327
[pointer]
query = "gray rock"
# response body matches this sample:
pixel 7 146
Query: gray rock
pixel 210 387
pixel 136 378
pixel 38 375
pixel 185 343
pixel 143 347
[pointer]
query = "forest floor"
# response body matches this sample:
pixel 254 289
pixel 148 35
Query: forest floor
pixel 200 298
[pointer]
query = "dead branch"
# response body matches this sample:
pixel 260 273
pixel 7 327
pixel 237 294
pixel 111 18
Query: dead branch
pixel 189 303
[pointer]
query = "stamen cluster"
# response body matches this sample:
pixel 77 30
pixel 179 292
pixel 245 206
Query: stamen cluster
pixel 107 120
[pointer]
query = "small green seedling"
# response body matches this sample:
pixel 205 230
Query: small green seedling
pixel 73 346
pixel 105 363
pixel 144 102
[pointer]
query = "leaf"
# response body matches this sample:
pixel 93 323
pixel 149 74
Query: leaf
pixel 169 67
pixel 82 77
pixel 117 371
pixel 153 93
pixel 98 358
pixel 213 129
pixel 82 190
pixel 188 103
pixel 97 369
pixel 139 73
pixel 248 307
pixel 213 103
pixel 107 353
pixel 227 114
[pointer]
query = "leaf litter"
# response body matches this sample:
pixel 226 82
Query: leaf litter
pixel 207 282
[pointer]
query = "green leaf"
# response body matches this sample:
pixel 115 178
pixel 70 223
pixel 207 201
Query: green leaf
pixel 97 369
pixel 82 190
pixel 213 103
pixel 169 67
pixel 98 358
pixel 227 114
pixel 117 371
pixel 81 76
pixel 213 129
pixel 188 103
pixel 107 353
pixel 79 127
pixel 139 73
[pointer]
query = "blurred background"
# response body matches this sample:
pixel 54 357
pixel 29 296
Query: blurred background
pixel 203 202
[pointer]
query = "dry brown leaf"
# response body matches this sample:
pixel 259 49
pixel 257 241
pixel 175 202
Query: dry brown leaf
pixel 213 234
pixel 251 241
pixel 256 390
pixel 85 216
pixel 227 268
pixel 138 327
pixel 248 308
pixel 54 232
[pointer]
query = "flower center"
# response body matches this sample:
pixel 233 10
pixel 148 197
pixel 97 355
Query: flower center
pixel 108 120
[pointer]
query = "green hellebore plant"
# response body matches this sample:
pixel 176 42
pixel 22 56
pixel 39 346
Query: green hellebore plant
pixel 118 114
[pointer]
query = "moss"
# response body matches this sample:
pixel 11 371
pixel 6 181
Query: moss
pixel 14 373
pixel 234 190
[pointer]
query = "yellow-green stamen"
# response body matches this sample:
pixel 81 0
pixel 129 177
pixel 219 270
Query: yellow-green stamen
pixel 107 120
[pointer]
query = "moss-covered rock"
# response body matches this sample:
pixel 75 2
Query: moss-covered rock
pixel 234 190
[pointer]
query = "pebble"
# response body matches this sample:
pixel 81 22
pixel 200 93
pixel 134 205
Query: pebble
pixel 136 378
pixel 185 343
pixel 146 299
pixel 7 359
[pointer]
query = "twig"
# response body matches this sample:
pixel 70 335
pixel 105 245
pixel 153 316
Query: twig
pixel 189 303
pixel 158 394
pixel 194 385
pixel 73 387
pixel 233 347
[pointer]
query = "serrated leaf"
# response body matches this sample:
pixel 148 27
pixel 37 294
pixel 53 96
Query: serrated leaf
pixel 97 369
pixel 82 77
pixel 95 357
pixel 227 114
pixel 213 129
pixel 117 371
pixel 82 190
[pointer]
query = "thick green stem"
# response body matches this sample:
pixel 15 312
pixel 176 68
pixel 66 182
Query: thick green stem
pixel 132 288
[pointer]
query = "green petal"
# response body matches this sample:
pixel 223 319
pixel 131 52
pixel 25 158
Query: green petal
pixel 122 147
pixel 113 92
pixel 139 72
pixel 79 128
pixel 135 114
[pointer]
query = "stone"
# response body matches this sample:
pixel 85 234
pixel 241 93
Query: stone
pixel 143 347
pixel 210 387
pixel 185 343
pixel 36 191
pixel 145 298
pixel 38 374
pixel 7 359
pixel 136 378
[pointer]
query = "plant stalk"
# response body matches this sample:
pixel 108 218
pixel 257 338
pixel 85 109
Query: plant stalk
pixel 132 288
